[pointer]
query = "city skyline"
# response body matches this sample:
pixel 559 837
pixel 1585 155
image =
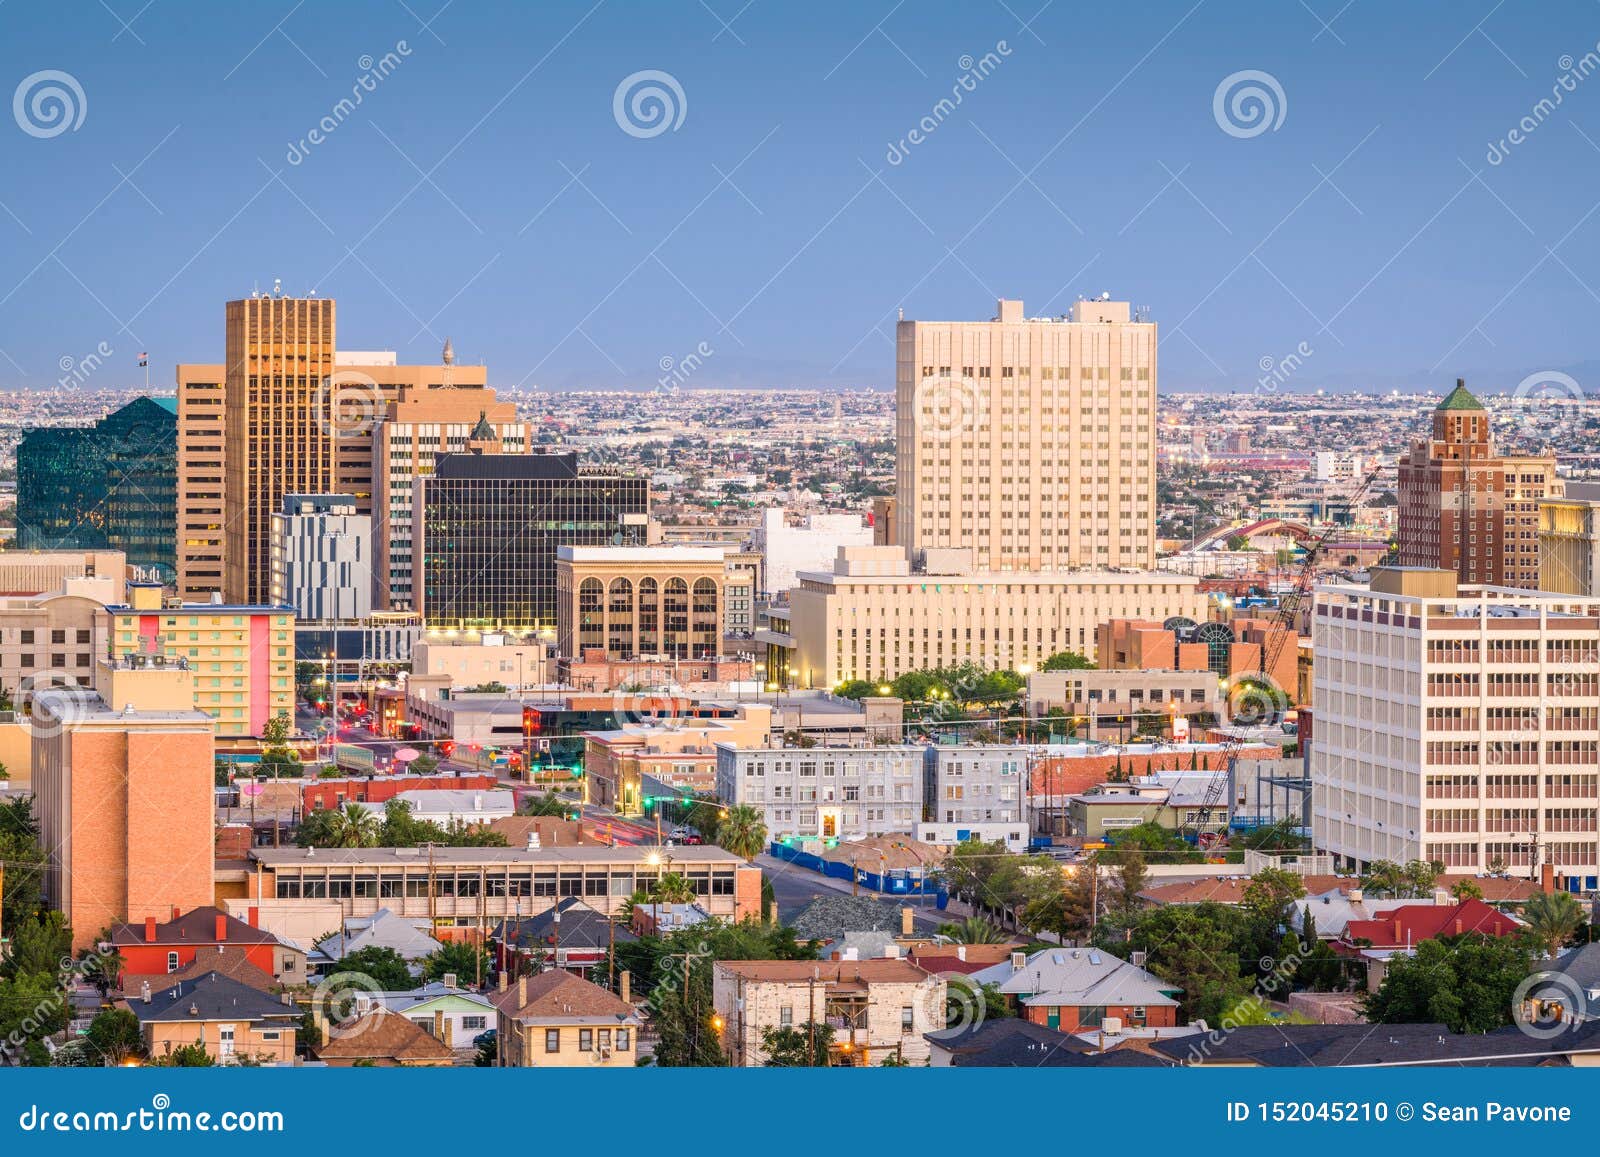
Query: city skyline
pixel 1251 241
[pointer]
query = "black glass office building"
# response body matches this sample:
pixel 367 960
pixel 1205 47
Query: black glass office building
pixel 491 524
pixel 109 486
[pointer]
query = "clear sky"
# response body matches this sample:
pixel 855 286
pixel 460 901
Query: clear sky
pixel 486 189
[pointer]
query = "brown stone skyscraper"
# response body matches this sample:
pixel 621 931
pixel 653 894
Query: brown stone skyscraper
pixel 1466 508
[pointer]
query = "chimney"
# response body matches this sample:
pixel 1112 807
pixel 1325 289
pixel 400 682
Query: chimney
pixel 522 991
pixel 500 984
pixel 1019 961
pixel 907 926
pixel 176 912
pixel 961 952
pixel 149 929
pixel 439 1030
pixel 1442 898
pixel 144 992
pixel 1458 926
pixel 1547 878
pixel 1354 895
pixel 222 926
pixel 254 917
pixel 1397 926
pixel 626 982
pixel 449 1032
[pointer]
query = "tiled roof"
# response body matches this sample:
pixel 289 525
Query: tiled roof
pixel 558 995
pixel 1403 927
pixel 383 1035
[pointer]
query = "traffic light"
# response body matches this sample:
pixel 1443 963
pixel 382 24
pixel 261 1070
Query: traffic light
pixel 447 747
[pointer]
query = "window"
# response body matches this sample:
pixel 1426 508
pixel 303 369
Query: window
pixel 470 1023
pixel 907 1018
pixel 552 1040
pixel 622 1040
pixel 172 962
pixel 786 1016
pixel 585 1039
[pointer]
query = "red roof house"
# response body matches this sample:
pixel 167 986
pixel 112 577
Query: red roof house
pixel 1404 927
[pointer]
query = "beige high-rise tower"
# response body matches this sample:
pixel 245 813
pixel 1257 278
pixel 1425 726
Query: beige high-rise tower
pixel 1029 441
pixel 286 413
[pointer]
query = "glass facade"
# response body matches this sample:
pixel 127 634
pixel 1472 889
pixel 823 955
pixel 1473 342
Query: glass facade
pixel 109 486
pixel 491 526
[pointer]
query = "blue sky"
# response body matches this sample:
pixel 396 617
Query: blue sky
pixel 485 190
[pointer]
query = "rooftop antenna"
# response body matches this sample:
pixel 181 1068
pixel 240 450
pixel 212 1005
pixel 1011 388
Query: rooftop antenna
pixel 277 287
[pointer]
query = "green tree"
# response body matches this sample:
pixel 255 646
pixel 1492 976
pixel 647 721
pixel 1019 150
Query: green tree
pixel 424 764
pixel 855 689
pixel 1552 918
pixel 385 966
pixel 1067 661
pixel 186 1057
pixel 114 1036
pixel 17 818
pixel 33 1006
pixel 38 946
pixel 797 1046
pixel 1466 890
pixel 688 1034
pixel 548 804
pixel 1129 873
pixel 470 963
pixel 742 832
pixel 1194 948
pixel 966 1000
pixel 1467 983
pixel 24 863
pixel 673 888
pixel 351 826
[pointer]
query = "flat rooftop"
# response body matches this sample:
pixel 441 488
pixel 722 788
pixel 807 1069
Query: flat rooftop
pixel 582 854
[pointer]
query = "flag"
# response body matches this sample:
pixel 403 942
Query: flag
pixel 144 359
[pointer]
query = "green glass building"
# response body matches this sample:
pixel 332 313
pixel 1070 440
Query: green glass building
pixel 109 486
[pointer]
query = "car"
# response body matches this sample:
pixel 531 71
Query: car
pixel 691 839
pixel 681 833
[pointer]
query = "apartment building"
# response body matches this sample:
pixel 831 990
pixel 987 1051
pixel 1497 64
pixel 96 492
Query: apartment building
pixel 1467 508
pixel 322 557
pixel 242 657
pixel 1121 697
pixel 825 793
pixel 976 784
pixel 1458 724
pixel 54 639
pixel 875 618
pixel 621 764
pixel 1030 441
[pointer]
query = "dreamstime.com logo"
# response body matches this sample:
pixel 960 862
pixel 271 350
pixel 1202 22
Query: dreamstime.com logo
pixel 1544 401
pixel 963 1008
pixel 48 715
pixel 649 103
pixel 1248 103
pixel 342 1003
pixel 648 706
pixel 159 1117
pixel 1255 701
pixel 347 404
pixel 948 406
pixel 1547 1004
pixel 49 103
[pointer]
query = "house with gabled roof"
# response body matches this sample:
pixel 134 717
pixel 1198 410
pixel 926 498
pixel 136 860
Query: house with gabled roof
pixel 1081 989
pixel 156 949
pixel 382 1039
pixel 558 1019
pixel 230 1020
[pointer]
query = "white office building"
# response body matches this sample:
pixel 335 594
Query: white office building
pixel 1457 724
pixel 825 793
pixel 322 557
pixel 812 545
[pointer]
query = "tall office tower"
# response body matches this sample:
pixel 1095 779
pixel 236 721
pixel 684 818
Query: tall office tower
pixel 1569 541
pixel 109 486
pixel 416 429
pixel 490 525
pixel 1465 508
pixel 285 413
pixel 1456 724
pixel 1030 441
pixel 322 557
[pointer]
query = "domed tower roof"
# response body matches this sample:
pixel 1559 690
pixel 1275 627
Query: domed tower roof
pixel 449 354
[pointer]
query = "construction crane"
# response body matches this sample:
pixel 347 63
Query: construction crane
pixel 1288 612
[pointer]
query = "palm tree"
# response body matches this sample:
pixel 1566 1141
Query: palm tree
pixel 1552 918
pixel 354 826
pixel 972 931
pixel 673 888
pixel 742 832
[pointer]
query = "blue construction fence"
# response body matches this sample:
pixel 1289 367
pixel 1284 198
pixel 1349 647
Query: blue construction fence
pixel 896 882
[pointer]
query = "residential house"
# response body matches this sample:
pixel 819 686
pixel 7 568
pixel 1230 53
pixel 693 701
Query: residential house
pixel 382 929
pixel 153 949
pixel 230 1020
pixel 570 935
pixel 945 957
pixel 1366 1045
pixel 1014 1043
pixel 451 1014
pixel 559 1020
pixel 664 919
pixel 383 1039
pixel 876 1008
pixel 230 960
pixel 1078 989
pixel 1398 931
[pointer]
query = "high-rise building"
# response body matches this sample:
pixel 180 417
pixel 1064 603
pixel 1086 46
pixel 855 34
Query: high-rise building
pixel 122 779
pixel 1456 724
pixel 416 429
pixel 286 413
pixel 491 525
pixel 1569 541
pixel 1468 509
pixel 322 557
pixel 109 486
pixel 1030 441
pixel 241 656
